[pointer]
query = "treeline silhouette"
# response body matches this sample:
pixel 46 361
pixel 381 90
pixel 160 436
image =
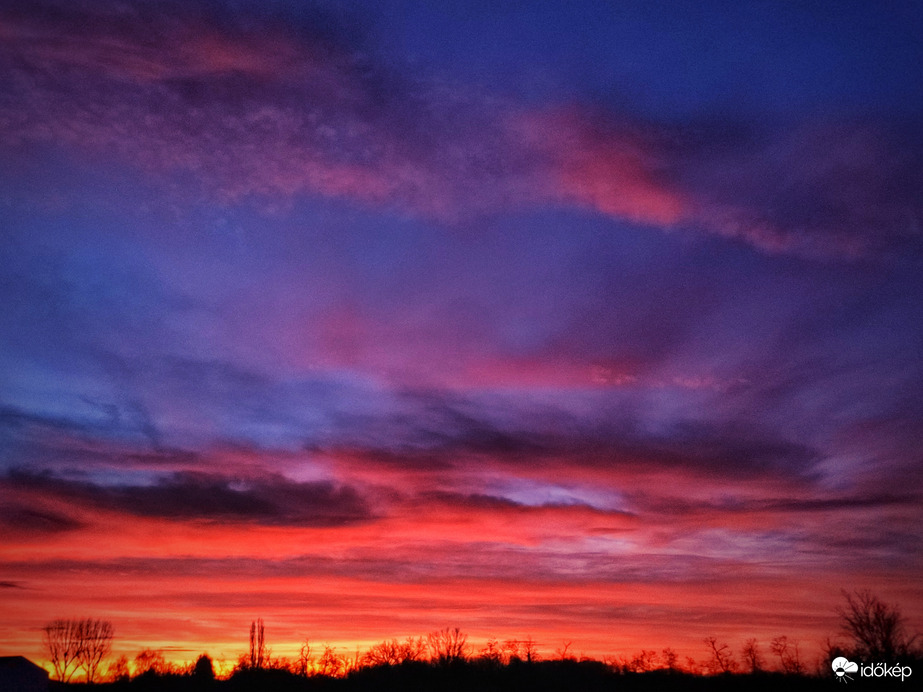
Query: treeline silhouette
pixel 872 631
pixel 465 675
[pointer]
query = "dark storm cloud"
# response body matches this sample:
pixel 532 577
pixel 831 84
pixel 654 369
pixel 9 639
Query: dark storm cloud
pixel 830 502
pixel 838 504
pixel 92 436
pixel 715 452
pixel 425 429
pixel 440 431
pixel 105 420
pixel 24 520
pixel 895 545
pixel 821 188
pixel 190 496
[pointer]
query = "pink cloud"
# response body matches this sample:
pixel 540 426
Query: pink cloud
pixel 148 44
pixel 179 100
pixel 605 166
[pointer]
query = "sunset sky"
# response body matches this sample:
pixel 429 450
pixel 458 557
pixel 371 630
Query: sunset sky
pixel 585 321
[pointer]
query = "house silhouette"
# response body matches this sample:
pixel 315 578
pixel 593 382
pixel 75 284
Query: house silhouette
pixel 19 674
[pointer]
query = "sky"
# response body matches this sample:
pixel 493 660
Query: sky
pixel 587 322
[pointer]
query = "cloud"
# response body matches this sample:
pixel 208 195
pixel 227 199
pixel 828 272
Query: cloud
pixel 824 187
pixel 206 497
pixel 246 415
pixel 745 508
pixel 513 433
pixel 501 504
pixel 193 77
pixel 477 561
pixel 160 41
pixel 257 109
pixel 30 521
pixel 832 504
pixel 602 163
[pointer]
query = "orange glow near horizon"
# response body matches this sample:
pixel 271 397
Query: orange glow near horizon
pixel 174 619
pixel 613 559
pixel 189 588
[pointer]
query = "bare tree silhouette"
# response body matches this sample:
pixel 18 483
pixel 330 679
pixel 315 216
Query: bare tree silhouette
pixel 722 658
pixel 96 643
pixel 119 670
pixel 670 660
pixel 521 650
pixel 257 655
pixel 413 649
pixel 491 652
pixel 530 650
pixel 447 645
pixel 393 652
pixel 511 650
pixel 386 653
pixel 642 662
pixel 330 663
pixel 151 662
pixel 878 630
pixel 64 641
pixel 789 655
pixel 752 656
pixel 75 644
pixel 305 660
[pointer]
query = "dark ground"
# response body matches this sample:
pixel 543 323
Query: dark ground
pixel 546 676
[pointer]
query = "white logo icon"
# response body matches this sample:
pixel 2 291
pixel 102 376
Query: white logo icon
pixel 841 667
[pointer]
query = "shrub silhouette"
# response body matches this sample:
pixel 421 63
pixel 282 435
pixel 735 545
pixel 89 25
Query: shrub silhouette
pixel 203 669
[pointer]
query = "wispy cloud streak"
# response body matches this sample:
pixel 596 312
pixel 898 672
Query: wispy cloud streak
pixel 294 112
